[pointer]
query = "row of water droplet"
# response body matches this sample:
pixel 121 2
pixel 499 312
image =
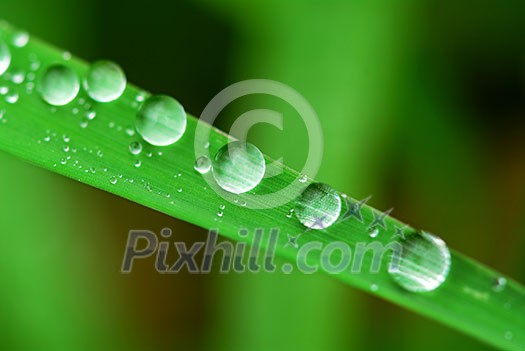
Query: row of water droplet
pixel 237 167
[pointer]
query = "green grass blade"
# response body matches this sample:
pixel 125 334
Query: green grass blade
pixel 99 156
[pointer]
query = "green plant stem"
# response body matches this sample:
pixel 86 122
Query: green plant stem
pixel 466 301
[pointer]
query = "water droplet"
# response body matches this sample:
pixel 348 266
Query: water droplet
pixel 374 287
pixel 135 148
pixel 290 213
pixel 303 178
pixel 374 232
pixel 66 55
pixel 18 77
pixel 35 65
pixel 4 90
pixel 20 39
pixel 220 214
pixel 105 81
pixel 140 97
pixel 90 115
pixel 11 97
pixel 161 120
pixel 508 335
pixel 83 124
pixel 130 132
pixel 499 284
pixel 75 111
pixel 5 58
pixel 66 148
pixel 93 170
pixel 113 180
pixel 59 85
pixel 422 265
pixel 179 190
pixel 318 206
pixel 222 207
pixel 202 165
pixel 238 167
pixel 138 163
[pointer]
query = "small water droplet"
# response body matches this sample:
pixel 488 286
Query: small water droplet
pixel 140 97
pixel 303 178
pixel 318 206
pixel 5 58
pixel 220 214
pixel 202 164
pixel 161 120
pixel 113 180
pixel 66 55
pixel 138 163
pixel 75 111
pixel 20 39
pixel 508 335
pixel 4 90
pixel 34 65
pixel 11 97
pixel 423 263
pixel 179 190
pixel 105 81
pixel 18 77
pixel 499 284
pixel 135 148
pixel 222 207
pixel 59 85
pixel 238 167
pixel 374 287
pixel 93 170
pixel 90 115
pixel 83 124
pixel 374 232
pixel 130 132
pixel 66 148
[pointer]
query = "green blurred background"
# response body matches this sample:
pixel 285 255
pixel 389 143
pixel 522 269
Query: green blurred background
pixel 421 103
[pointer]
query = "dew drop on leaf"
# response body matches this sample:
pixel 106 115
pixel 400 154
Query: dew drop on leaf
pixel 105 81
pixel 59 85
pixel 318 206
pixel 238 167
pixel 135 148
pixel 161 120
pixel 422 264
pixel 202 164
pixel 5 58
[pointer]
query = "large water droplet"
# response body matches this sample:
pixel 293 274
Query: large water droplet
pixel 423 263
pixel 105 81
pixel 318 206
pixel 59 85
pixel 161 120
pixel 202 164
pixel 238 167
pixel 5 58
